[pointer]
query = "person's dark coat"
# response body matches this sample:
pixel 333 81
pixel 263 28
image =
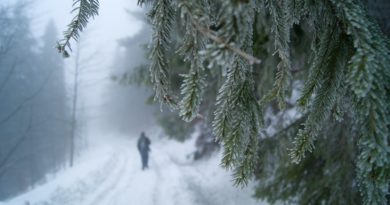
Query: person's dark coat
pixel 143 146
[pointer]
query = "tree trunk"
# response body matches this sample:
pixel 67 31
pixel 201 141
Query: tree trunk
pixel 74 107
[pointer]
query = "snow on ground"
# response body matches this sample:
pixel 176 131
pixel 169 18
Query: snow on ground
pixel 111 174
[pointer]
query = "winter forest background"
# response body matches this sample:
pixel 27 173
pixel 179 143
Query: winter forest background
pixel 309 124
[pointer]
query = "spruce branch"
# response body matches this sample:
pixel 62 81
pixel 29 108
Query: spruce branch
pixel 237 116
pixel 232 143
pixel 161 16
pixel 368 78
pixel 144 2
pixel 194 82
pixel 325 97
pixel 222 119
pixel 319 63
pixel 210 34
pixel 245 169
pixel 192 91
pixel 281 16
pixel 84 9
pixel 237 121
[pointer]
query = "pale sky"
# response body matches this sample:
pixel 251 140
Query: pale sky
pixel 111 24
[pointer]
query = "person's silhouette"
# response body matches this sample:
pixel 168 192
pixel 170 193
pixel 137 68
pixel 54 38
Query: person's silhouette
pixel 144 149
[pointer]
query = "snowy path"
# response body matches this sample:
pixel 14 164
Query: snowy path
pixel 112 176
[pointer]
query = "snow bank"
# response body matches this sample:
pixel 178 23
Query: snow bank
pixel 89 163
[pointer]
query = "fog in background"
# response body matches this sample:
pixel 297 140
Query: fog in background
pixel 104 106
pixel 54 110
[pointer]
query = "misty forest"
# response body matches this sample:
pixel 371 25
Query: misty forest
pixel 194 102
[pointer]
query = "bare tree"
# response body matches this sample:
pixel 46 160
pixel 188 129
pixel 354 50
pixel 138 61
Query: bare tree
pixel 75 95
pixel 81 66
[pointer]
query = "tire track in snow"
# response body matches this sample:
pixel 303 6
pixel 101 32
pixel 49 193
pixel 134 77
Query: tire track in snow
pixel 159 164
pixel 171 179
pixel 140 186
pixel 126 181
pixel 157 188
pixel 111 180
pixel 112 192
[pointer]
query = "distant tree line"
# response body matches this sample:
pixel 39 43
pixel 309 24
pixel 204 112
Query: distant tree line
pixel 34 111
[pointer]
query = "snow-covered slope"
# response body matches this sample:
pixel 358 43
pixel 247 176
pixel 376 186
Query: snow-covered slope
pixel 111 174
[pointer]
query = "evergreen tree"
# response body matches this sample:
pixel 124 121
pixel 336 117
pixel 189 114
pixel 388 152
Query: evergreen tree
pixel 348 77
pixel 32 106
pixel 53 101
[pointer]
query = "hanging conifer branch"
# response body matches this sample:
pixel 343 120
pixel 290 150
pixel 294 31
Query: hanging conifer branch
pixel 192 91
pixel 237 116
pixel 85 10
pixel 368 79
pixel 201 26
pixel 317 67
pixel 210 34
pixel 194 82
pixel 144 2
pixel 324 99
pixel 161 16
pixel 282 24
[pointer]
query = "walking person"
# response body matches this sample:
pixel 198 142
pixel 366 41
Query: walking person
pixel 144 149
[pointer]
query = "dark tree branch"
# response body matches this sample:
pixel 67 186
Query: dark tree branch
pixel 212 36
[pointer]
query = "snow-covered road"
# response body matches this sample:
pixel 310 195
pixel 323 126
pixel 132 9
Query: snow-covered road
pixel 112 175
